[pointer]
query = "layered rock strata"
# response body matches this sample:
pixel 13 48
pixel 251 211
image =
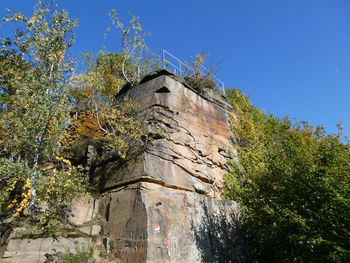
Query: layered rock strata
pixel 25 245
pixel 191 140
pixel 162 203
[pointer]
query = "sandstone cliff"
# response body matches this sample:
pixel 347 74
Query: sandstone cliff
pixel 162 203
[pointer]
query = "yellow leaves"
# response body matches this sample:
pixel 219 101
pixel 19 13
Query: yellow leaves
pixel 67 184
pixel 84 126
pixel 52 179
pixel 12 186
pixel 62 184
pixel 33 19
pixel 13 203
pixel 16 214
pixel 63 160
pixel 37 113
pixel 201 58
pixel 25 197
pixel 57 56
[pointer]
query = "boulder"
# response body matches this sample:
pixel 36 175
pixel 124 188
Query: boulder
pixel 31 246
pixel 162 203
pixel 84 210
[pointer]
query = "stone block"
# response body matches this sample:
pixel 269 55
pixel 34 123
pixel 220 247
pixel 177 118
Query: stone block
pixel 151 223
pixel 34 250
pixel 93 230
pixel 84 210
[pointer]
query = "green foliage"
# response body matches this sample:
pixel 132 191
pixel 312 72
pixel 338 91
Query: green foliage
pixel 293 182
pixel 198 77
pixel 39 91
pixel 41 45
pixel 138 60
pixel 100 115
pixel 82 254
pixel 15 187
pixel 34 80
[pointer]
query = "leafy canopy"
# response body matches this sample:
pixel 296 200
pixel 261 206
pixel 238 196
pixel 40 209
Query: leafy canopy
pixel 34 77
pixel 293 181
pixel 137 58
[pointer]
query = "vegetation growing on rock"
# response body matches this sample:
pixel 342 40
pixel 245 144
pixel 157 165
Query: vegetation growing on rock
pixel 199 77
pixel 50 113
pixel 34 114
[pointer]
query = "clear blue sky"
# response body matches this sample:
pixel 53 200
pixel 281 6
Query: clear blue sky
pixel 291 56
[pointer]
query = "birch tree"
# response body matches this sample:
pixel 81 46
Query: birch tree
pixel 138 59
pixel 34 76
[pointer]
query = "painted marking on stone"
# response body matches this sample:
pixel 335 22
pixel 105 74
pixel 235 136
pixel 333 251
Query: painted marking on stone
pixel 156 228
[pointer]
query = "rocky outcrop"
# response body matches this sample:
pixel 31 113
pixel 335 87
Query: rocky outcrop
pixel 191 141
pixel 162 203
pixel 25 245
pixel 147 222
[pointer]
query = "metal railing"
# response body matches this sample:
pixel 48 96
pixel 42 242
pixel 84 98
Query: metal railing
pixel 172 63
pixel 166 60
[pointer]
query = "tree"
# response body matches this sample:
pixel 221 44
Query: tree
pixel 138 60
pixel 47 110
pixel 293 182
pixel 100 114
pixel 34 79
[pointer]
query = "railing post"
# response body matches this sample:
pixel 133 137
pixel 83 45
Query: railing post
pixel 180 70
pixel 138 73
pixel 163 62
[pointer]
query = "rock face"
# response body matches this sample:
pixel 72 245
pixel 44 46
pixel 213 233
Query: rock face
pixel 27 250
pixel 27 246
pixel 191 140
pixel 147 222
pixel 163 204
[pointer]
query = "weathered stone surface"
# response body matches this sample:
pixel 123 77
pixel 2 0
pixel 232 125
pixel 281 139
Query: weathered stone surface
pixel 126 222
pixel 84 209
pixel 93 230
pixel 151 223
pixel 162 203
pixel 158 203
pixel 190 145
pixel 28 246
pixel 34 250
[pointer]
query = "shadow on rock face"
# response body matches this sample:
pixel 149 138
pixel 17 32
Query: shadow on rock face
pixel 219 237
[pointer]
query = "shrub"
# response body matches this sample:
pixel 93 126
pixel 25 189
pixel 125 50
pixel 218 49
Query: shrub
pixel 293 182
